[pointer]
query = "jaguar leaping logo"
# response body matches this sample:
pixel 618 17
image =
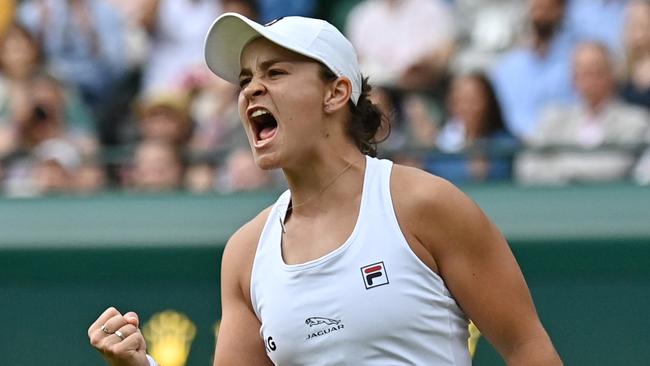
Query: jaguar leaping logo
pixel 316 320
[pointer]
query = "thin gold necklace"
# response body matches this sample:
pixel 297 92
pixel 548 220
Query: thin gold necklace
pixel 291 206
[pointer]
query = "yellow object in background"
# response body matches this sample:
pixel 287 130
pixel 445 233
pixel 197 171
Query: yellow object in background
pixel 169 336
pixel 474 335
pixel 7 12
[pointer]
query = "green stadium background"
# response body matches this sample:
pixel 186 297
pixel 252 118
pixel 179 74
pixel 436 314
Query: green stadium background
pixel 585 252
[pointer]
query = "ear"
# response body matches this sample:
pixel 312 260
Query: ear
pixel 337 95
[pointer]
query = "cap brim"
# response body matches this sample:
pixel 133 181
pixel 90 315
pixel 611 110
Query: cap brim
pixel 225 41
pixel 228 36
pixel 312 38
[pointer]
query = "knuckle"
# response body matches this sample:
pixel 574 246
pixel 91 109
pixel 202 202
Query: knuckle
pixel 116 321
pixel 94 340
pixel 130 328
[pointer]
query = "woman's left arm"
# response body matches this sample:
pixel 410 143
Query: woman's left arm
pixel 477 266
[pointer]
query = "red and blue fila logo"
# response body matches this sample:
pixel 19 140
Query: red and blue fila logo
pixel 374 275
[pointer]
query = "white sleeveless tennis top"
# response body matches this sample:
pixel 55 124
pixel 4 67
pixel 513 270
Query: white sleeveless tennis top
pixel 371 301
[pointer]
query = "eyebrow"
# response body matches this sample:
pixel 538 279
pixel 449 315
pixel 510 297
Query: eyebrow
pixel 263 66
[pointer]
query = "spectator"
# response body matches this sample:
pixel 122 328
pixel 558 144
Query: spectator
pixel 40 108
pixel 56 113
pixel 50 120
pixel 177 29
pixel 240 173
pixel 422 116
pixel 537 73
pixel 200 177
pixel 82 40
pixel 217 120
pixel 157 167
pixel 48 168
pixel 138 16
pixel 55 167
pixel 90 178
pixel 407 77
pixel 20 61
pixel 473 135
pixel 165 117
pixel 597 120
pixel 488 28
pixel 636 87
pixel 114 115
pixel 395 42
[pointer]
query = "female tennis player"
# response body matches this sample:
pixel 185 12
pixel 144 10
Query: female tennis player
pixel 361 261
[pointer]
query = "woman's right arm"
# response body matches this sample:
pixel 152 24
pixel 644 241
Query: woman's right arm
pixel 239 341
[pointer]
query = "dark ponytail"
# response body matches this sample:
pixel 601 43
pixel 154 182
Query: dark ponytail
pixel 365 118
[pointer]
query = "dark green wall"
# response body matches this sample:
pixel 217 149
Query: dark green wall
pixel 585 252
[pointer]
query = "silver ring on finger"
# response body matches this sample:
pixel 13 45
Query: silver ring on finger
pixel 105 330
pixel 119 334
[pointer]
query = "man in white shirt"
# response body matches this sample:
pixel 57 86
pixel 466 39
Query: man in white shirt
pixel 598 120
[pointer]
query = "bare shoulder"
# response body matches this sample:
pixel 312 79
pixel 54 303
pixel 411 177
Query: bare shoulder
pixel 471 255
pixel 432 209
pixel 417 190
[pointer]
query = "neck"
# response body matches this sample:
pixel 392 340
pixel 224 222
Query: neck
pixel 321 180
pixel 541 46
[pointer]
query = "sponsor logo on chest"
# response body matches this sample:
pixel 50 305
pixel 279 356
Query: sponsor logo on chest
pixel 374 275
pixel 320 326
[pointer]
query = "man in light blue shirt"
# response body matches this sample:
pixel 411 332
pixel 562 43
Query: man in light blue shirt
pixel 537 73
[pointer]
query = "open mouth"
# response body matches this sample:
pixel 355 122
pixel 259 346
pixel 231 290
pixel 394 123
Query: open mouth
pixel 264 125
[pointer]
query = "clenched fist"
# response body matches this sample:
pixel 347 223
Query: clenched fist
pixel 118 338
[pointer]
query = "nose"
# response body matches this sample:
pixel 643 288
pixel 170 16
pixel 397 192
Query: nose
pixel 254 89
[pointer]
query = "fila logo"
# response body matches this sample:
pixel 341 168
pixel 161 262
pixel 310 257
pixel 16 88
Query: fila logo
pixel 374 275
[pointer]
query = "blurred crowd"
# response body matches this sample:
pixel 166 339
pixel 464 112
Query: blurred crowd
pixel 100 95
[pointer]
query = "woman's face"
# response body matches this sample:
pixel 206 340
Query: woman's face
pixel 468 102
pixel 19 53
pixel 280 104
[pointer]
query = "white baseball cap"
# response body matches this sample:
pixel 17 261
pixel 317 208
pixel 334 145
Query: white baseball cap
pixel 314 38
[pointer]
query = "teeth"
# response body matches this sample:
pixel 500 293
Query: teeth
pixel 259 112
